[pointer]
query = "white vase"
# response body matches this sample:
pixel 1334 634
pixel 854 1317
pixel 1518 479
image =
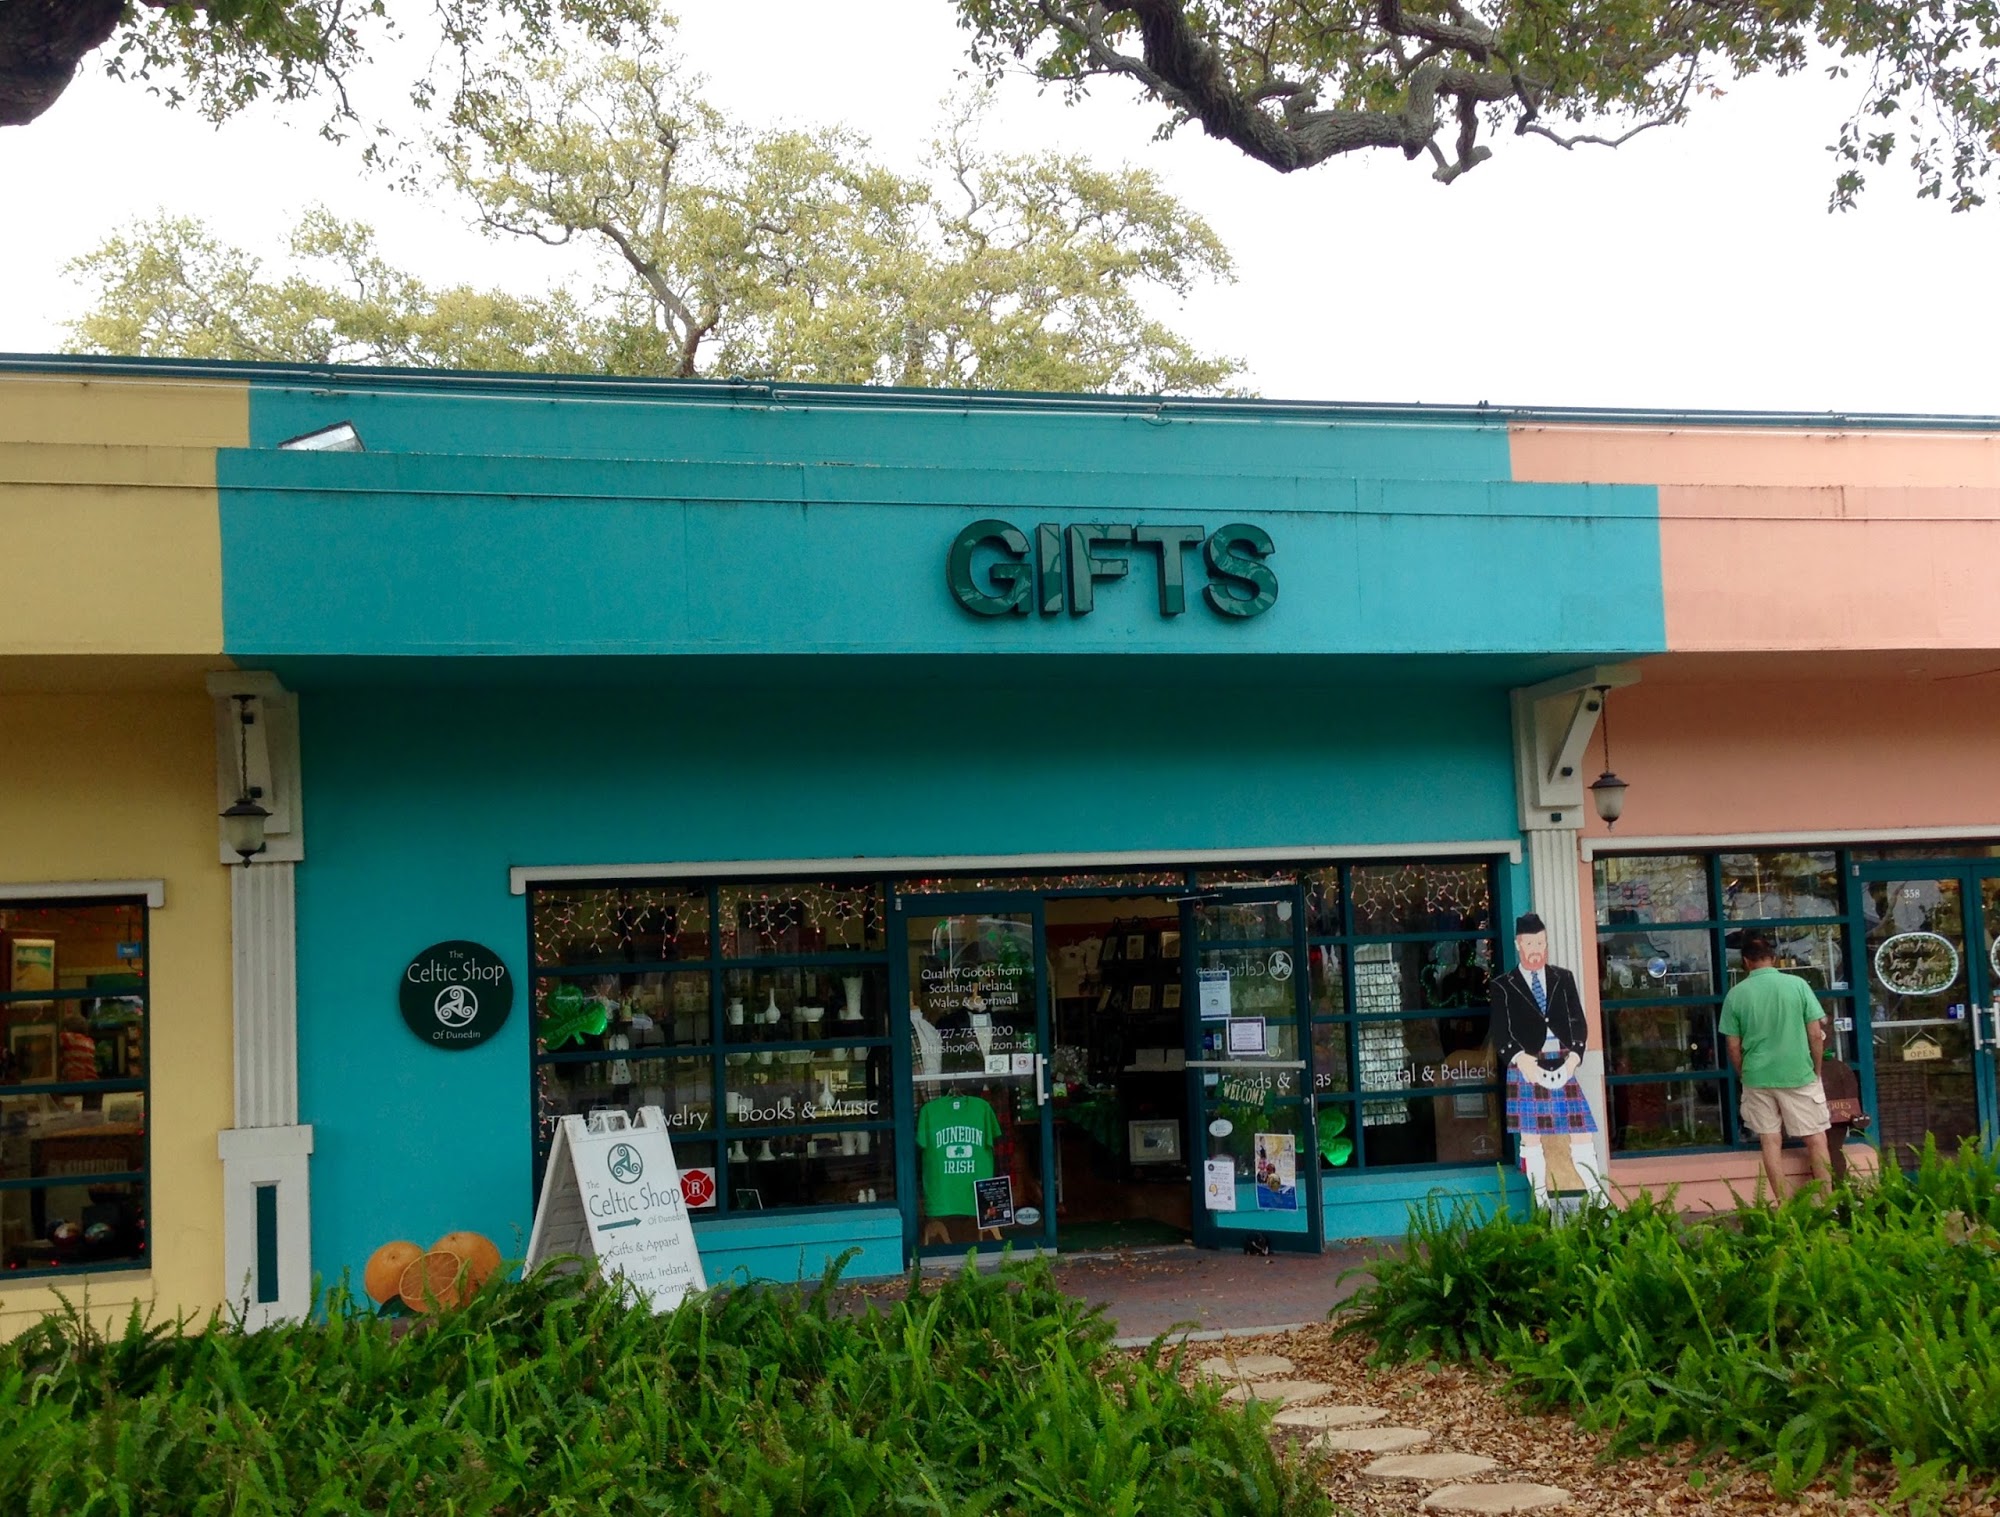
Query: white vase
pixel 851 985
pixel 771 1012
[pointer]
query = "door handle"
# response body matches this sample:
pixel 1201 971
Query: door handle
pixel 1041 1083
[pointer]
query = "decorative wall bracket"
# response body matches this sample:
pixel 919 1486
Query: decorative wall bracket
pixel 1553 723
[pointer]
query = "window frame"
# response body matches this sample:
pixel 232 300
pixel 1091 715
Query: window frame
pixel 1719 927
pixel 140 1179
pixel 1355 1099
pixel 716 967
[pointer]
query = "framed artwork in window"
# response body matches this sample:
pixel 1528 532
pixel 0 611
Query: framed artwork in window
pixel 33 1046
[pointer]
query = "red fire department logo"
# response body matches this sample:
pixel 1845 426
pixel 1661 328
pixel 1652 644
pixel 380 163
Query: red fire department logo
pixel 698 1187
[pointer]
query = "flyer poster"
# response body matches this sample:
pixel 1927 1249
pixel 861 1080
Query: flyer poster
pixel 1218 1184
pixel 995 1201
pixel 1277 1171
pixel 1214 985
pixel 1247 1036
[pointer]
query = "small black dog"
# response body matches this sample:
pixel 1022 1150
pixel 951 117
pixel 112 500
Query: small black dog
pixel 1257 1243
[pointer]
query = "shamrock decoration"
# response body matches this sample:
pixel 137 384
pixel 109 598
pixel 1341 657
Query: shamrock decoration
pixel 570 1018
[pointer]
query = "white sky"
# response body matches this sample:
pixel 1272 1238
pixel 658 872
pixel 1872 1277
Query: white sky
pixel 1693 268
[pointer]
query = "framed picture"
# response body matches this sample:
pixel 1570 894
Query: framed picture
pixel 31 964
pixel 747 1200
pixel 34 1050
pixel 1142 998
pixel 1170 945
pixel 1154 1142
pixel 1135 945
pixel 1170 996
pixel 125 1106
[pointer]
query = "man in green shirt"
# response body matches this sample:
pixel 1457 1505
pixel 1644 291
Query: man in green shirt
pixel 1777 1032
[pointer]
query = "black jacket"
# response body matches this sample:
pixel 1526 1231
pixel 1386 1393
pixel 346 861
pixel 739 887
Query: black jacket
pixel 1519 1024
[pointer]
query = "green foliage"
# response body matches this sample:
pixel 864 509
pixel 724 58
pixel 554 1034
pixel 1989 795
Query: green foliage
pixel 720 250
pixel 1295 82
pixel 1794 1338
pixel 168 288
pixel 985 1395
pixel 796 255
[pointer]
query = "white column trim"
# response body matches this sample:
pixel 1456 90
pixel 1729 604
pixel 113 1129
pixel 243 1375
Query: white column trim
pixel 262 933
pixel 155 891
pixel 251 1159
pixel 521 876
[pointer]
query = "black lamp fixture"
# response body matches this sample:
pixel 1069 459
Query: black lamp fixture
pixel 1607 791
pixel 243 823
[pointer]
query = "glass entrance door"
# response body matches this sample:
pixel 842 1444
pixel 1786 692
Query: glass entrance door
pixel 1926 956
pixel 979 1136
pixel 1255 1167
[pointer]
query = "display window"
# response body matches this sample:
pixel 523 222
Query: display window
pixel 755 1015
pixel 1399 957
pixel 73 1086
pixel 1668 933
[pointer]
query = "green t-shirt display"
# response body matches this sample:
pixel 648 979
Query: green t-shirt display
pixel 955 1135
pixel 1769 1010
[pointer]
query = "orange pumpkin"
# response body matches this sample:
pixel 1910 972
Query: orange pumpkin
pixel 383 1278
pixel 434 1280
pixel 482 1258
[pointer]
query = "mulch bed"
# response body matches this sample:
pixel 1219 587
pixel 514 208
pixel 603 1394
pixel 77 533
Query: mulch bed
pixel 1466 1412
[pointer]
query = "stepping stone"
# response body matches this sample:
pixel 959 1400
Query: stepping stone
pixel 1372 1440
pixel 1507 1496
pixel 1244 1367
pixel 1430 1466
pixel 1327 1416
pixel 1285 1392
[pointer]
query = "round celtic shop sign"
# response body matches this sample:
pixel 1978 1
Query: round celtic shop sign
pixel 456 995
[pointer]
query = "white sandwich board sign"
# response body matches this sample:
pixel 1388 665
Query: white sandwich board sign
pixel 613 1193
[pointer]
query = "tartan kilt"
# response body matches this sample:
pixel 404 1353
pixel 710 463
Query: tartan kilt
pixel 1534 1111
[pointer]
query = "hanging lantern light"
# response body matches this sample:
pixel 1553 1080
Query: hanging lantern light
pixel 1607 791
pixel 243 823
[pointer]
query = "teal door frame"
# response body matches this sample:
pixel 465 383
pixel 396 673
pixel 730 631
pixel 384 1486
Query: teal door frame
pixel 1981 978
pixel 1203 1032
pixel 908 1174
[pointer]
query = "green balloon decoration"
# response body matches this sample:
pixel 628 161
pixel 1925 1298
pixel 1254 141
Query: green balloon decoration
pixel 1334 1149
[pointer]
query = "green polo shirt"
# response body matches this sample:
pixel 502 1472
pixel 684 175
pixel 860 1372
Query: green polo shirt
pixel 1769 1010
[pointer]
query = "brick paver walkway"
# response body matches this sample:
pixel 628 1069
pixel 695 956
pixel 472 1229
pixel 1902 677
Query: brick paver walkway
pixel 1149 1291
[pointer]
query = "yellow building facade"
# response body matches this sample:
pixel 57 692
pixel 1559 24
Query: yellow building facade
pixel 110 619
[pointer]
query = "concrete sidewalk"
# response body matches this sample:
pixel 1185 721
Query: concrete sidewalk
pixel 1209 1293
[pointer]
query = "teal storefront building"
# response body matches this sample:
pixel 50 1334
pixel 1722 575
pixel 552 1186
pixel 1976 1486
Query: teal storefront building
pixel 882 873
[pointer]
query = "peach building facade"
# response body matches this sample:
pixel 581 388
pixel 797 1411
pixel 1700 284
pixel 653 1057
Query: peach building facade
pixel 1818 741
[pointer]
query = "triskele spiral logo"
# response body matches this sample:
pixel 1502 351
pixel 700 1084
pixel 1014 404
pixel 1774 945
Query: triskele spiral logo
pixel 455 995
pixel 625 1164
pixel 455 1006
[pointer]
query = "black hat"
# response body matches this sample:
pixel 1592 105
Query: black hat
pixel 1527 924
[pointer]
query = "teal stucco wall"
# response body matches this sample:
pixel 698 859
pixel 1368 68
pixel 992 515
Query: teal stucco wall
pixel 529 524
pixel 423 796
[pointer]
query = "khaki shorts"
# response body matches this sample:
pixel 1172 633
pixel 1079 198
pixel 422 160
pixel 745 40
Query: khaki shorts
pixel 1798 1113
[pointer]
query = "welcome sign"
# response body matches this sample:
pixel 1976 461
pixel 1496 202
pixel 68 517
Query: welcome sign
pixel 612 1193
